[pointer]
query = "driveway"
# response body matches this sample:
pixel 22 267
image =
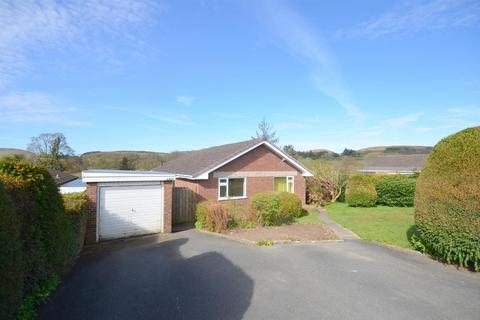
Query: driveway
pixel 193 275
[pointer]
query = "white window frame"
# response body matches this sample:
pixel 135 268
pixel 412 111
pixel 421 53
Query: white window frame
pixel 292 178
pixel 220 183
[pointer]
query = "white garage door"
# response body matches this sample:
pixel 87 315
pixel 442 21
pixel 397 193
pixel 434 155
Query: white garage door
pixel 130 210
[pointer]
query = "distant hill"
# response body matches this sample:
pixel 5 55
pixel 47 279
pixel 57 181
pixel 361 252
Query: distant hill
pixel 9 151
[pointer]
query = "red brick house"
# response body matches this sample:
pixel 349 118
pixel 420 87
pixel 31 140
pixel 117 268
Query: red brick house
pixel 237 171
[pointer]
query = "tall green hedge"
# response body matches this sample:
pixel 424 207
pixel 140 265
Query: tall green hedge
pixel 11 276
pixel 361 191
pixel 396 190
pixel 447 201
pixel 49 236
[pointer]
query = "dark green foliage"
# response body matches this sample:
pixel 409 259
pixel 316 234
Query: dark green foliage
pixel 396 191
pixel 276 208
pixel 39 295
pixel 11 277
pixel 50 235
pixel 447 201
pixel 361 191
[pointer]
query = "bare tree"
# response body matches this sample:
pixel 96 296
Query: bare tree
pixel 50 148
pixel 265 131
pixel 328 179
pixel 289 149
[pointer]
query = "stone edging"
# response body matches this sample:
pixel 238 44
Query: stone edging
pixel 275 242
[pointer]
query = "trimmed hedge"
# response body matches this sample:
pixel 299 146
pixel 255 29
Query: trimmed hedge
pixel 50 236
pixel 396 190
pixel 276 208
pixel 447 201
pixel 11 276
pixel 361 191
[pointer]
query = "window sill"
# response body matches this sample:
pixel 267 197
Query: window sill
pixel 231 198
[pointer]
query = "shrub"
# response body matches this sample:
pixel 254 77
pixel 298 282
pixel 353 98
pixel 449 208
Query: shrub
pixel 212 216
pixel 241 216
pixel 396 191
pixel 50 236
pixel 276 208
pixel 11 276
pixel 76 207
pixel 361 191
pixel 447 200
pixel 53 221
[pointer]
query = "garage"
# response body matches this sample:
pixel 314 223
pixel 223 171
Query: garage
pixel 127 203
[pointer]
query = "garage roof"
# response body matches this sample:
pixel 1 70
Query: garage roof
pixel 125 176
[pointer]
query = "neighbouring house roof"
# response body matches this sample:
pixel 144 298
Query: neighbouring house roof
pixel 61 177
pixel 197 164
pixel 395 163
pixel 125 176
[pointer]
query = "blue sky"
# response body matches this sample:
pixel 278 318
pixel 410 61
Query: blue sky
pixel 177 75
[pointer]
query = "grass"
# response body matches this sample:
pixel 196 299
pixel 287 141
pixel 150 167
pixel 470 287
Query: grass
pixel 310 218
pixel 389 225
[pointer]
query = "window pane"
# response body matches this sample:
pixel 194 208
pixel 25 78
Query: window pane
pixel 280 184
pixel 290 186
pixel 235 187
pixel 223 191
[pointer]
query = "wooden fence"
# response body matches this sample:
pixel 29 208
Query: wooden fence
pixel 184 201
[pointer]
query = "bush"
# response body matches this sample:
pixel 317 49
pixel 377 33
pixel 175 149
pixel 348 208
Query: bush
pixel 76 207
pixel 11 276
pixel 212 216
pixel 447 200
pixel 396 191
pixel 241 216
pixel 361 191
pixel 50 236
pixel 276 208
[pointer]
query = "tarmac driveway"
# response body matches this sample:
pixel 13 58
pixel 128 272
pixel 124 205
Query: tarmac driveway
pixel 193 275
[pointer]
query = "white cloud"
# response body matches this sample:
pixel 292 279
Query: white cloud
pixel 403 120
pixel 32 107
pixel 180 119
pixel 31 27
pixel 418 16
pixel 186 100
pixel 302 42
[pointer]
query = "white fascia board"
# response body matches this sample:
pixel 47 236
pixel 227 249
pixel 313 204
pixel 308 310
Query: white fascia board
pixel 126 176
pixel 305 171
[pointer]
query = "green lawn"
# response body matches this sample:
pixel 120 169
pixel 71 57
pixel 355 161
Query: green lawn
pixel 310 218
pixel 383 224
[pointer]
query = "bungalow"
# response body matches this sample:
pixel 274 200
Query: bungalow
pixel 123 203
pixel 394 164
pixel 67 183
pixel 237 171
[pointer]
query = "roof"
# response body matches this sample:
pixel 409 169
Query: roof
pixel 125 176
pixel 395 163
pixel 196 164
pixel 61 177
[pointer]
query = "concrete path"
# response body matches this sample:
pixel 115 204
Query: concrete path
pixel 194 275
pixel 340 231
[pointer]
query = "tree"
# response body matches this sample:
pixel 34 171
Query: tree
pixel 50 149
pixel 125 164
pixel 289 149
pixel 350 152
pixel 327 179
pixel 265 131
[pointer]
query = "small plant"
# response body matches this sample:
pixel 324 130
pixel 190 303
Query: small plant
pixel 418 245
pixel 265 243
pixel 38 296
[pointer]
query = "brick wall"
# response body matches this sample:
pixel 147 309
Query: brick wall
pixel 167 206
pixel 260 159
pixel 91 233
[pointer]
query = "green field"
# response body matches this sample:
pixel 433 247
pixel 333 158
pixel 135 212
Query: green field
pixel 388 225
